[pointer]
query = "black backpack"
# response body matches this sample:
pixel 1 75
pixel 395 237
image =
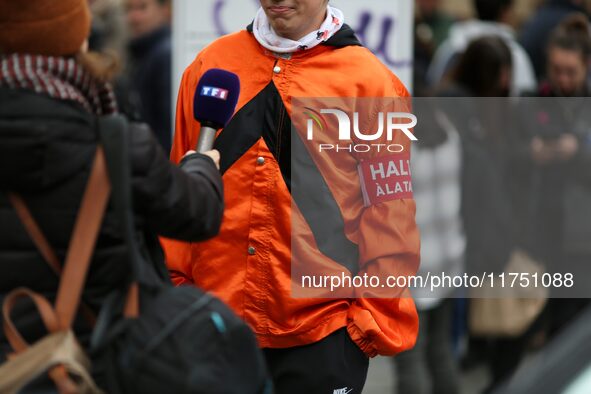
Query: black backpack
pixel 183 340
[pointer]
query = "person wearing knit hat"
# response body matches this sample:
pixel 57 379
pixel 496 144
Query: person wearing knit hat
pixel 45 27
pixel 50 101
pixel 53 35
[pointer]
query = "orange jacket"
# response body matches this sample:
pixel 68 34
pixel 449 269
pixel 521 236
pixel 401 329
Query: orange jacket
pixel 248 264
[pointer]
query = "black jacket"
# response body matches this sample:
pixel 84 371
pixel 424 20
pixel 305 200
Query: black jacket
pixel 46 147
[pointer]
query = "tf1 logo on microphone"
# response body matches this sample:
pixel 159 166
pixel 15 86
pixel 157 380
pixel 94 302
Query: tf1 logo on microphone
pixel 218 93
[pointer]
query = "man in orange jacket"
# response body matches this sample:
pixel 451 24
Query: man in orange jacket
pixel 315 342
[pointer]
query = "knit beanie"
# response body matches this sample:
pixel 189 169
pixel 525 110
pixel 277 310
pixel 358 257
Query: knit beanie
pixel 43 27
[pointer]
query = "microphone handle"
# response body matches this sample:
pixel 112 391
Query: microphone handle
pixel 206 139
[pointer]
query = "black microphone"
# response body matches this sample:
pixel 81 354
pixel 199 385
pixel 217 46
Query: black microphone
pixel 215 101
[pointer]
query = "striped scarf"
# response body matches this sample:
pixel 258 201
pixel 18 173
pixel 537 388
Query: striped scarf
pixel 57 77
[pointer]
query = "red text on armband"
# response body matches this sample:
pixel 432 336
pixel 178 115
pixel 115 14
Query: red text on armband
pixel 385 178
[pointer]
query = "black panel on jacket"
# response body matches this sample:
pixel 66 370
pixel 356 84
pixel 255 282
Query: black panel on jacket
pixel 313 197
pixel 265 117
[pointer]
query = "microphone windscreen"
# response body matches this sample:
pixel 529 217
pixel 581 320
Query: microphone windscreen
pixel 216 97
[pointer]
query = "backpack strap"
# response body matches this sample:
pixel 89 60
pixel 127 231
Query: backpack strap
pixel 78 258
pixel 44 247
pixel 83 241
pixel 35 233
pixel 45 309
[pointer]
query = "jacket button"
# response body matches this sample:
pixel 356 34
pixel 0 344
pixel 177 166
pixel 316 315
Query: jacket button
pixel 261 161
pixel 251 250
pixel 277 69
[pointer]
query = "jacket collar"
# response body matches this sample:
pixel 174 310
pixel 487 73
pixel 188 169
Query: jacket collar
pixel 343 38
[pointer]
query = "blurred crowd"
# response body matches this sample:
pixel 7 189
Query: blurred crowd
pixel 485 189
pixel 518 191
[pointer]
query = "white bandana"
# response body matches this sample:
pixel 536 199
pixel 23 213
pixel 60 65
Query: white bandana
pixel 267 37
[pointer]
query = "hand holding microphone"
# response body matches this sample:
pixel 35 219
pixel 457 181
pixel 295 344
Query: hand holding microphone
pixel 212 154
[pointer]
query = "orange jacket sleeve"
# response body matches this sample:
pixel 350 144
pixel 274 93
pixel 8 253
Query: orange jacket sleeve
pixel 384 321
pixel 378 322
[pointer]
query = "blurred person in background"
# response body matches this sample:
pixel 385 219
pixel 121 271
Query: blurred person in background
pixel 431 28
pixel 561 150
pixel 431 366
pixel 108 32
pixel 483 70
pixel 147 81
pixel 52 92
pixel 491 182
pixel 536 31
pixel 494 18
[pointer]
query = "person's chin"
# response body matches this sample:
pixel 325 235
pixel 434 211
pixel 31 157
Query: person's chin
pixel 282 27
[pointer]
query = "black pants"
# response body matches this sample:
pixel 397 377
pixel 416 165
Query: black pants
pixel 334 365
